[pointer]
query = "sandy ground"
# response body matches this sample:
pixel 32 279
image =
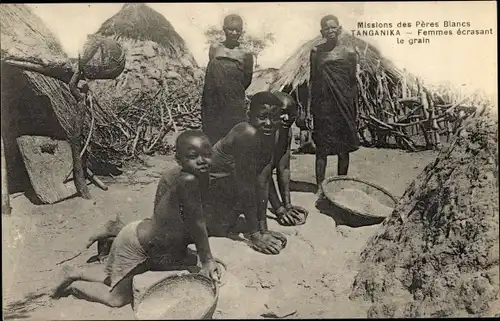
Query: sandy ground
pixel 311 278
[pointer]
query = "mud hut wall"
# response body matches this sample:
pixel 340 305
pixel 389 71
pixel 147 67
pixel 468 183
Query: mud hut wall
pixel 148 66
pixel 25 111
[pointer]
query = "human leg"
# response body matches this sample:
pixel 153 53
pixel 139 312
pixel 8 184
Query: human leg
pixel 321 162
pixel 95 292
pixel 343 164
pixel 120 295
pixel 70 274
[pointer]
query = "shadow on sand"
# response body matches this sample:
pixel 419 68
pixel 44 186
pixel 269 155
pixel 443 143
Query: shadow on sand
pixel 303 187
pixel 343 217
pixel 21 309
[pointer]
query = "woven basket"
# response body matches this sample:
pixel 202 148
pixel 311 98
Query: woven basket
pixel 102 58
pixel 350 216
pixel 171 283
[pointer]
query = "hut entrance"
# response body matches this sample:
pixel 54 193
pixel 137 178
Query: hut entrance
pixel 23 113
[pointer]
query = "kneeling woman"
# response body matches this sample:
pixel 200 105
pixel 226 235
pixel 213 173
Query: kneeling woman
pixel 241 169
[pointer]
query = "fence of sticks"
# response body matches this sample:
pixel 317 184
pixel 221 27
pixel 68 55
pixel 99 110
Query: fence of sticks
pixel 402 108
pixel 141 126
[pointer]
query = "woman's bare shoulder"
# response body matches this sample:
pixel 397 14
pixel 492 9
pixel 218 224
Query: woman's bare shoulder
pixel 246 129
pixel 216 45
pixel 243 132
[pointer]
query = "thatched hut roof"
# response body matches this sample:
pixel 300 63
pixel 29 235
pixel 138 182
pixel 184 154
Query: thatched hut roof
pixel 140 22
pixel 262 80
pixel 34 103
pixel 26 38
pixel 156 55
pixel 295 71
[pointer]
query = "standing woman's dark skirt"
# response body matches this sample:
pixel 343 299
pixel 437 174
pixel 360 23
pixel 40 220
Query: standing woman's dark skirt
pixel 223 102
pixel 334 98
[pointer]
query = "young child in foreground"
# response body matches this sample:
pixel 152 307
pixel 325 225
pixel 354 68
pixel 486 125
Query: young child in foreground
pixel 156 242
pixel 287 214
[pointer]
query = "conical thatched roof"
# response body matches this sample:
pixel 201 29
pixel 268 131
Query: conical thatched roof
pixel 295 71
pixel 25 36
pixel 262 80
pixel 34 103
pixel 156 55
pixel 140 22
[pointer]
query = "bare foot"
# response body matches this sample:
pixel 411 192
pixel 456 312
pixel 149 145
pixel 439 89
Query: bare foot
pixel 319 191
pixel 223 269
pixel 67 276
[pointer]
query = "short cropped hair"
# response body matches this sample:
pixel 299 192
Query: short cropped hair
pixel 328 18
pixel 233 18
pixel 187 135
pixel 263 98
pixel 288 101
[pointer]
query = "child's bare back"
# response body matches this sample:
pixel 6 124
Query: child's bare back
pixel 165 231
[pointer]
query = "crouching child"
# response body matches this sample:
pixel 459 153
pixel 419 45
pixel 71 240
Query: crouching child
pixel 157 242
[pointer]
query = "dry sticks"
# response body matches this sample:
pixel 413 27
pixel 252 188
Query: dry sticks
pixel 142 125
pixel 405 110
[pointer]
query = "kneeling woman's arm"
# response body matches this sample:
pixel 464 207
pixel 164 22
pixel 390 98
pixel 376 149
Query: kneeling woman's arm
pixel 247 184
pixel 283 165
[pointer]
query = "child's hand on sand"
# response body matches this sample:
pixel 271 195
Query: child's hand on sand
pixel 267 242
pixel 211 269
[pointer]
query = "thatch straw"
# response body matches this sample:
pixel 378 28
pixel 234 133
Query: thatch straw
pixel 25 38
pixel 24 35
pixel 140 22
pixel 262 80
pixel 295 71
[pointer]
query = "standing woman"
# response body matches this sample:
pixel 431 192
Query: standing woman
pixel 333 100
pixel 229 73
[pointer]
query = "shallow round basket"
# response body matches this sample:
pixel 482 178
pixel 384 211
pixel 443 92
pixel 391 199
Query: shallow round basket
pixel 176 286
pixel 350 216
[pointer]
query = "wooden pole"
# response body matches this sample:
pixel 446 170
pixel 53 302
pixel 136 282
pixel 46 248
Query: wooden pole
pixel 75 138
pixel 6 209
pixel 404 95
pixel 404 86
pixel 426 125
pixel 434 126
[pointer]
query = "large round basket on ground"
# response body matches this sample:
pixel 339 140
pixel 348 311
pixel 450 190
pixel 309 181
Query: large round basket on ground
pixel 355 202
pixel 190 296
pixel 102 58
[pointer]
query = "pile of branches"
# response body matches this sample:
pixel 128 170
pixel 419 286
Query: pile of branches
pixel 391 104
pixel 143 125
